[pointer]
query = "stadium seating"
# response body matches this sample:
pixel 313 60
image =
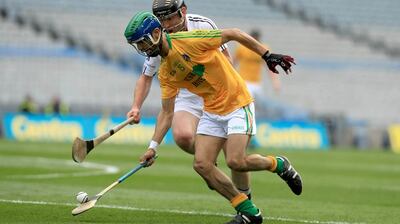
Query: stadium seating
pixel 333 75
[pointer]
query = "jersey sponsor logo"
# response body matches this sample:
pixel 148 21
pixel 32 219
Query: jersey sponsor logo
pixel 177 66
pixel 198 82
pixel 197 70
pixel 189 77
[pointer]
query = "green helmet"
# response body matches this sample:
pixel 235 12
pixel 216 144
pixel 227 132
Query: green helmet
pixel 139 30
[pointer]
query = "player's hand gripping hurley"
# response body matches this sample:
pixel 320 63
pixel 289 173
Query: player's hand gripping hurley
pixel 80 147
pixel 92 201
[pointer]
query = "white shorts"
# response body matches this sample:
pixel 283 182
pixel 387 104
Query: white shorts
pixel 189 102
pixel 240 121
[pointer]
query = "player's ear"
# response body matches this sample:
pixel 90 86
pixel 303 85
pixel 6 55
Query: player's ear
pixel 156 33
pixel 184 11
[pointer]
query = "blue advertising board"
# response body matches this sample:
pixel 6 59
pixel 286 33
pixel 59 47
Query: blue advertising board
pixel 279 134
pixel 65 128
pixel 292 135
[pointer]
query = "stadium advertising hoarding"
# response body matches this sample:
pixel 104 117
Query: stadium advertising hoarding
pixel 292 135
pixel 394 137
pixel 65 128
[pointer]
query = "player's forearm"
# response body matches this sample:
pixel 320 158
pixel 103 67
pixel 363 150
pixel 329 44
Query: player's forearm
pixel 141 91
pixel 164 121
pixel 244 39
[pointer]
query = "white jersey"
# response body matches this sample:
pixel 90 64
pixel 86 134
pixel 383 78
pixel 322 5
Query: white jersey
pixel 194 22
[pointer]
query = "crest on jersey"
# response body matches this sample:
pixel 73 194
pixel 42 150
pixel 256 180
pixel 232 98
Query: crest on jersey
pixel 185 57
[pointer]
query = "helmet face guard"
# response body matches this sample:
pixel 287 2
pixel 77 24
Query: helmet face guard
pixel 167 9
pixel 180 26
pixel 147 46
pixel 139 31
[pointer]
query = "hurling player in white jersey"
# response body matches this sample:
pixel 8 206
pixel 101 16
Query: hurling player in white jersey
pixel 188 106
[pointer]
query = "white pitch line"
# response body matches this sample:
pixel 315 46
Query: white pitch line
pixel 174 211
pixel 104 169
pixel 58 175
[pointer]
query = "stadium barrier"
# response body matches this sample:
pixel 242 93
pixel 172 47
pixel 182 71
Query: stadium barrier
pixel 23 127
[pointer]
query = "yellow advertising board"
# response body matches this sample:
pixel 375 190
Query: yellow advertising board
pixel 394 137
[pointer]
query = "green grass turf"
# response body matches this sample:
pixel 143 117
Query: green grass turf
pixel 345 186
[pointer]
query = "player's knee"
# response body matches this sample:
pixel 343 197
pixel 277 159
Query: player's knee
pixel 202 167
pixel 236 164
pixel 185 140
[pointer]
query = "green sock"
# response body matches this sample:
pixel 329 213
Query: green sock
pixel 248 207
pixel 279 165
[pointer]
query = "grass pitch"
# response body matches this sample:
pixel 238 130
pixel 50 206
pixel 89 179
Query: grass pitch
pixel 38 183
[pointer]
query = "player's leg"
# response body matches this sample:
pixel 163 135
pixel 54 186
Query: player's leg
pixel 241 181
pixel 207 149
pixel 241 124
pixel 188 110
pixel 237 160
pixel 211 136
pixel 184 125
